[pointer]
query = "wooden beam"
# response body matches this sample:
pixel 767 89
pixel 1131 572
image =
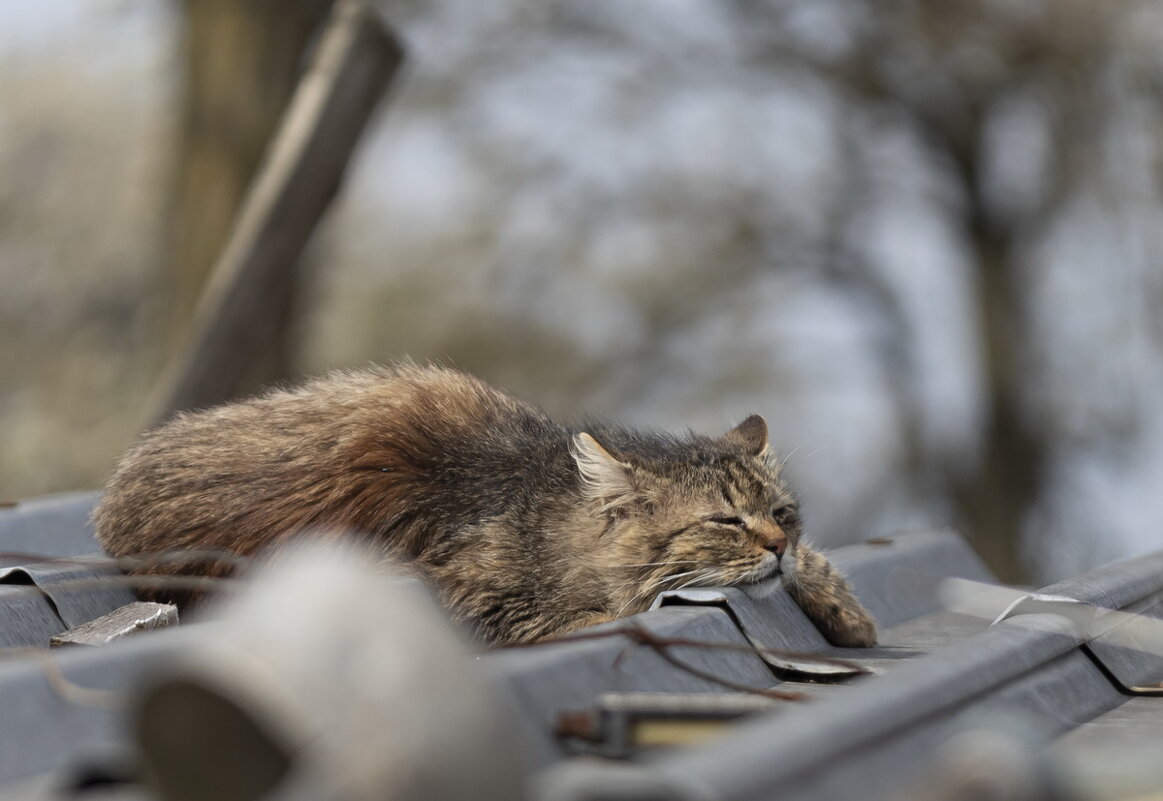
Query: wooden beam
pixel 352 65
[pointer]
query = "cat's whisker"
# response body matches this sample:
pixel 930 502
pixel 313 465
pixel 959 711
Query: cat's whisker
pixel 635 597
pixel 709 577
pixel 812 452
pixel 654 587
pixel 656 584
pixel 785 458
pixel 661 564
pixel 639 581
pixel 625 606
pixel 690 582
pixel 694 582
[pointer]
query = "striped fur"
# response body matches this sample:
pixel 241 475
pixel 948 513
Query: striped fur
pixel 525 528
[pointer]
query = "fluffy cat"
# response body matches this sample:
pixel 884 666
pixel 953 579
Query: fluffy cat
pixel 525 528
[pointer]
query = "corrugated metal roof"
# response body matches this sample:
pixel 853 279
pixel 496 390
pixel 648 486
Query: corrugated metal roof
pixel 945 689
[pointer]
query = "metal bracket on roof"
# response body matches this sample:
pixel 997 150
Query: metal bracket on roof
pixel 77 588
pixel 1091 622
pixel 121 622
pixel 785 666
pixel 619 725
pixel 1080 614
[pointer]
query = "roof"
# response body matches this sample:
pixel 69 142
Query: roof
pixel 1031 703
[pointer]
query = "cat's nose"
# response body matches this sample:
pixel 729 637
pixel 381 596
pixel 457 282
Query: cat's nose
pixel 777 546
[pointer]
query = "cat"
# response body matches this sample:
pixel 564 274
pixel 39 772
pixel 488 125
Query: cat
pixel 525 529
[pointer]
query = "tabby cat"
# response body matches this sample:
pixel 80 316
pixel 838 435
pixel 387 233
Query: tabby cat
pixel 525 528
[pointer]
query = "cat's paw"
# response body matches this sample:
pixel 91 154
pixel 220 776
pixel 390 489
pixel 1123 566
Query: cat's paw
pixel 827 600
pixel 850 626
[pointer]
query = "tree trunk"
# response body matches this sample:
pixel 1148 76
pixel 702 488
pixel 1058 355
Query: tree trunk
pixel 994 500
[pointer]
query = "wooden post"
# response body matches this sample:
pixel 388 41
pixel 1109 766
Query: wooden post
pixel 353 64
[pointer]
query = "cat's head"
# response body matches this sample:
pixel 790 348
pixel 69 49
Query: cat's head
pixel 690 511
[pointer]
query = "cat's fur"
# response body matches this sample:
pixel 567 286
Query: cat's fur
pixel 525 528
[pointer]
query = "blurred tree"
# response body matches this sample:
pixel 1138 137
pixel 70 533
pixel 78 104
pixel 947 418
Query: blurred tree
pixel 242 62
pixel 920 235
pixel 956 70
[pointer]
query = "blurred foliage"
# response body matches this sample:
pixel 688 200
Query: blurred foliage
pixel 920 237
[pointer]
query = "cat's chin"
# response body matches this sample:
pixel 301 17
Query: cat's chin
pixel 763 572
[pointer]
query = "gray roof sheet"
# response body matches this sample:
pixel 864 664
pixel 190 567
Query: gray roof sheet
pixel 1033 681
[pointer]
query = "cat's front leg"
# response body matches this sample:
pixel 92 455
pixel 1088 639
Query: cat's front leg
pixel 824 596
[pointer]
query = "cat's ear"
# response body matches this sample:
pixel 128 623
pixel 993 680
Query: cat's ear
pixel 750 435
pixel 604 478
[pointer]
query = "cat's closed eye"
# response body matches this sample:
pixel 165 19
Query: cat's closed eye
pixel 784 515
pixel 724 520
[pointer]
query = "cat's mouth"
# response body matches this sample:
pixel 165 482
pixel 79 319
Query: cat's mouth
pixel 768 568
